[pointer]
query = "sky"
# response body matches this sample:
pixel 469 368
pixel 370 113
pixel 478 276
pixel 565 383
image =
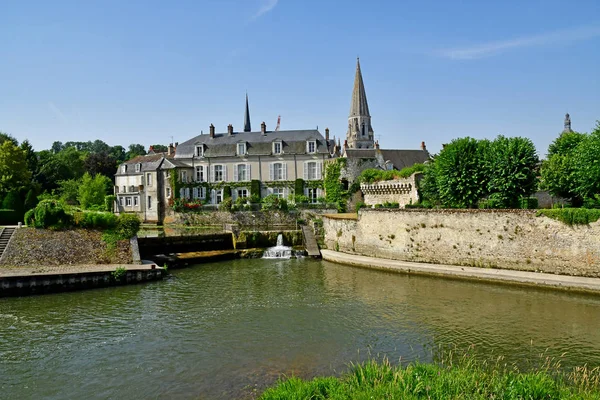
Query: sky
pixel 147 71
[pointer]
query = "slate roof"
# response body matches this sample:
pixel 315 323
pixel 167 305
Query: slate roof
pixel 404 158
pixel 149 162
pixel 224 145
pixel 360 153
pixel 359 105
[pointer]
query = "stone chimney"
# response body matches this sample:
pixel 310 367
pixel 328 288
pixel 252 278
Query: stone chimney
pixel 263 128
pixel 230 129
pixel 170 149
pixel 327 134
pixel 423 146
pixel 346 143
pixel 377 145
pixel 212 131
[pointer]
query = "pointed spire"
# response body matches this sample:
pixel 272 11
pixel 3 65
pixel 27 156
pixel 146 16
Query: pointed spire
pixel 247 127
pixel 359 104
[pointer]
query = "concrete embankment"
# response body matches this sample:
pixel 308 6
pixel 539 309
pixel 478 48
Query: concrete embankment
pixel 40 280
pixel 574 283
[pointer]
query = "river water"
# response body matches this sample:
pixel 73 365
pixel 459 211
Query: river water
pixel 225 330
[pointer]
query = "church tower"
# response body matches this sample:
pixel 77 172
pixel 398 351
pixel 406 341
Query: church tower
pixel 360 131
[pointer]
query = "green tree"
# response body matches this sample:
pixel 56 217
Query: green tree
pixel 136 150
pixel 461 179
pixel 92 190
pixel 13 201
pixel 69 190
pixel 587 165
pixel 30 157
pixel 100 163
pixel 14 174
pixel 511 165
pixel 6 137
pixel 30 200
pixel 159 148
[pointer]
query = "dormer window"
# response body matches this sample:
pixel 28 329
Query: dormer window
pixel 311 146
pixel 276 147
pixel 199 151
pixel 138 167
pixel 123 169
pixel 241 149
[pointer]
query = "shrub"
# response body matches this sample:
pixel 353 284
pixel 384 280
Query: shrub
pixel 119 273
pixel 572 216
pixel 375 175
pixel 226 192
pixel 128 225
pixel 109 202
pixel 226 204
pixel 528 203
pixel 273 202
pixel 51 214
pixel 255 191
pixel 299 187
pixel 301 199
pixel 95 220
pixel 29 217
pixel 359 205
pixel 30 200
pixel 12 201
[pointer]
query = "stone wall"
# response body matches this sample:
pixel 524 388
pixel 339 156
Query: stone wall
pixel 510 239
pixel 401 191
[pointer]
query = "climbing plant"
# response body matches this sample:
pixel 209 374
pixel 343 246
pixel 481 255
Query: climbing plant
pixel 334 192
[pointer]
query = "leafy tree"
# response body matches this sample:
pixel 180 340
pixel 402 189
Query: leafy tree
pixel 92 190
pixel 6 137
pixel 99 147
pixel 30 157
pixel 30 200
pixel 118 153
pixel 69 190
pixel 459 171
pixel 65 165
pixel 136 150
pixel 57 147
pixel 12 201
pixel 511 165
pixel 160 148
pixel 428 190
pixel 587 165
pixel 100 163
pixel 14 174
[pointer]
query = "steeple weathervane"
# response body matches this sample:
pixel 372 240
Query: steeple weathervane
pixel 247 127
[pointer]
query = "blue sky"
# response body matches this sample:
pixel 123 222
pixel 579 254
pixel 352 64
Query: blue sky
pixel 146 71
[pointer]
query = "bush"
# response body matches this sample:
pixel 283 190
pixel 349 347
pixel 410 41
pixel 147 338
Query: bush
pixel 13 202
pixel 375 175
pixel 29 217
pixel 109 203
pixel 572 216
pixel 95 220
pixel 301 199
pixel 128 225
pixel 51 214
pixel 226 204
pixel 359 205
pixel 255 191
pixel 528 203
pixel 9 217
pixel 273 202
pixel 226 192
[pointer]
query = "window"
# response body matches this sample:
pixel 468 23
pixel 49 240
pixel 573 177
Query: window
pixel 200 173
pixel 278 192
pixel 218 173
pixel 132 189
pixel 199 151
pixel 184 193
pixel 243 193
pixel 311 146
pixel 199 193
pixel 278 171
pixel 128 201
pixel 124 189
pixel 149 202
pixel 123 169
pixel 183 176
pixel 363 129
pixel 149 179
pixel 120 201
pixel 241 149
pixel 241 172
pixel 312 194
pixel 276 147
pixel 217 196
pixel 168 193
pixel 136 201
pixel 312 170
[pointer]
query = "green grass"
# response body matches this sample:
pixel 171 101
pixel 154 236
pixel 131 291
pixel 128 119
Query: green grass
pixel 458 378
pixel 572 216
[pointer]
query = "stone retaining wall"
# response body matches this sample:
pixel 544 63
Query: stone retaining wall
pixel 511 239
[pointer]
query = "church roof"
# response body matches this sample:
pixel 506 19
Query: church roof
pixel 359 104
pixel 405 158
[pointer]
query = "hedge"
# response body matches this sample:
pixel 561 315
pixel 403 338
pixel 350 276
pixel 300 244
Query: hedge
pixel 9 217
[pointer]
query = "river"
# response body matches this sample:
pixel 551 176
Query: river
pixel 225 330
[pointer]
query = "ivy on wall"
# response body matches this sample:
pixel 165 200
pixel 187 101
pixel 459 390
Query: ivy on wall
pixel 299 186
pixel 332 183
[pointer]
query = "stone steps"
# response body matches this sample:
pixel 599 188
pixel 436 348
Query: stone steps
pixel 5 236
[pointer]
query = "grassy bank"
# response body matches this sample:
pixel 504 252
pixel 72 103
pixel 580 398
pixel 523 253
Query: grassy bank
pixel 461 379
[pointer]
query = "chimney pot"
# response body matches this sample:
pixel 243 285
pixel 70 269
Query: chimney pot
pixel 170 149
pixel 377 145
pixel 212 131
pixel 327 134
pixel 423 146
pixel 346 143
pixel 230 129
pixel 263 128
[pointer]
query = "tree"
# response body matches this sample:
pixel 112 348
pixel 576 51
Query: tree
pixel 30 200
pixel 14 174
pixel 57 147
pixel 69 190
pixel 587 165
pixel 136 150
pixel 6 137
pixel 459 170
pixel 92 190
pixel 12 201
pixel 160 148
pixel 100 163
pixel 118 153
pixel 511 165
pixel 30 157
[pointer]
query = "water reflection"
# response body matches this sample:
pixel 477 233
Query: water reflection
pixel 220 330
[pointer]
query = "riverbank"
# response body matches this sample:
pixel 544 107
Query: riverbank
pixel 464 378
pixel 574 283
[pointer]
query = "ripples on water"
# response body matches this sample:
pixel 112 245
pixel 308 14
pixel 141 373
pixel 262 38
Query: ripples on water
pixel 220 330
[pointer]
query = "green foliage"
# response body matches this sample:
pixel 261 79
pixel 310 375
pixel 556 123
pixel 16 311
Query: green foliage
pixel 119 273
pixel 273 202
pixel 461 179
pixel 109 203
pixel 12 201
pixel 9 217
pixel 128 225
pixel 359 205
pixel 375 175
pixel 299 187
pixel 136 150
pixel 29 217
pixel 92 190
pixel 51 214
pixel 510 164
pixel 334 191
pixel 587 166
pixel 30 200
pixel 14 174
pixel 458 378
pixel 255 190
pixel 528 203
pixel 572 216
pixel 69 190
pixel 227 192
pixel 95 220
pixel 226 204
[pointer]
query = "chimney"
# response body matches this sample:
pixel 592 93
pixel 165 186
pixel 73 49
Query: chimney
pixel 377 145
pixel 230 129
pixel 327 134
pixel 170 149
pixel 263 128
pixel 423 146
pixel 212 131
pixel 346 143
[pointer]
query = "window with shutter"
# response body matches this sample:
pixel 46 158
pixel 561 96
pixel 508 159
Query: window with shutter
pixel 306 170
pixel 284 172
pixel 248 172
pixel 319 170
pixel 271 172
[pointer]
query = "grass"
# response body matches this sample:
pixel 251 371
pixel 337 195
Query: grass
pixel 572 216
pixel 454 377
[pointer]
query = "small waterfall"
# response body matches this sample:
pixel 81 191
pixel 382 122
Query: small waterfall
pixel 279 251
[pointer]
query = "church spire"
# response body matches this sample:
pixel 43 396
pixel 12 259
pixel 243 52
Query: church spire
pixel 360 132
pixel 247 127
pixel 359 106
